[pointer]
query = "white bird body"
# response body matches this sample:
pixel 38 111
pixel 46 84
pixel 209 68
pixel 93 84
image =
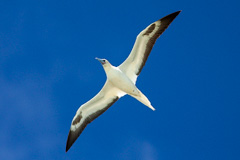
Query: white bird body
pixel 121 80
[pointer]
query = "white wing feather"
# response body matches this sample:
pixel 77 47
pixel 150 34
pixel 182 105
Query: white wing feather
pixel 145 40
pixel 91 110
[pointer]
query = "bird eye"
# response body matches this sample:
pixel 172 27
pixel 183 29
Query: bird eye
pixel 104 61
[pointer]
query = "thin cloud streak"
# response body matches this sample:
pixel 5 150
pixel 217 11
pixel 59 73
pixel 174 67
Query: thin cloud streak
pixel 28 115
pixel 148 151
pixel 136 148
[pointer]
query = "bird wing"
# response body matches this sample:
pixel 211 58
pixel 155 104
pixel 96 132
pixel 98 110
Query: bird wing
pixel 145 40
pixel 91 110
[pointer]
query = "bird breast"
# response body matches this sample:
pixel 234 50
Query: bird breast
pixel 121 81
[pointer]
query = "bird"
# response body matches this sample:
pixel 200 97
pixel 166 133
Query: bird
pixel 121 80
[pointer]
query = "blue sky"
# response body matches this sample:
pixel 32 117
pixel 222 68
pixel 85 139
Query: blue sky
pixel 47 70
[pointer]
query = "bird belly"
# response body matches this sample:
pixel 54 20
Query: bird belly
pixel 122 82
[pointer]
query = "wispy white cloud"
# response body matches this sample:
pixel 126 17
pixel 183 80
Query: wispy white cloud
pixel 27 125
pixel 148 151
pixel 13 153
pixel 136 148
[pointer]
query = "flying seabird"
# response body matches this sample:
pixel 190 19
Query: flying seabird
pixel 121 80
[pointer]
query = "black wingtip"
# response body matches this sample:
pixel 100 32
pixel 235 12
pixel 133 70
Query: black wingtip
pixel 73 135
pixel 167 20
pixel 70 141
pixel 179 11
pixel 67 146
pixel 171 16
pixel 176 13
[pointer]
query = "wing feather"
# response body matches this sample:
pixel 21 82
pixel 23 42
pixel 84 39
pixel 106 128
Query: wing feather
pixel 91 110
pixel 143 45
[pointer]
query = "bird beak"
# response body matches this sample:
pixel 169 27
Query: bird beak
pixel 100 60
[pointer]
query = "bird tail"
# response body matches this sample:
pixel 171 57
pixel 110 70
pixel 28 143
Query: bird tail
pixel 143 99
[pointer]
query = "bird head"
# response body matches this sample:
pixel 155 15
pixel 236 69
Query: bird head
pixel 102 61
